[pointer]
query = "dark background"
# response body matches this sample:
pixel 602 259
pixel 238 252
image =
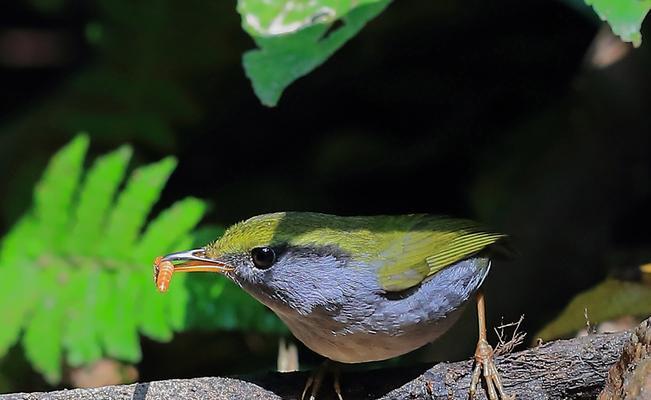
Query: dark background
pixel 486 110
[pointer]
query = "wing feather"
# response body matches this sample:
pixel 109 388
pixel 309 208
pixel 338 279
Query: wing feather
pixel 428 246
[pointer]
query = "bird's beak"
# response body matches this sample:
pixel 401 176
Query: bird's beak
pixel 196 261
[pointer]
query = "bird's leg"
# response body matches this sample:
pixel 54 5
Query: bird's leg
pixel 314 381
pixel 337 382
pixel 316 378
pixel 484 360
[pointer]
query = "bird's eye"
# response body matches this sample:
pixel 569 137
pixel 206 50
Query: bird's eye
pixel 263 257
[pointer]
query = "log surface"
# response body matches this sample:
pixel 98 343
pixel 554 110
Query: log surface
pixel 565 369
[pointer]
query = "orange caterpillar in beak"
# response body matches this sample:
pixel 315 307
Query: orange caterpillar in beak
pixel 163 271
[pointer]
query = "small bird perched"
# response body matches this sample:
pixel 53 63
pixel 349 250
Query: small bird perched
pixel 358 289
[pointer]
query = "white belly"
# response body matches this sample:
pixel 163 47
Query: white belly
pixel 366 346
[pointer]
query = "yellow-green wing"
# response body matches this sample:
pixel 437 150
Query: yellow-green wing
pixel 430 245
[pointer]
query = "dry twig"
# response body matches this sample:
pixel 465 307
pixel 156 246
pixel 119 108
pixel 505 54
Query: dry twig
pixel 517 338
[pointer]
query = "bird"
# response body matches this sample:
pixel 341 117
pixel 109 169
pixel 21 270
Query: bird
pixel 358 289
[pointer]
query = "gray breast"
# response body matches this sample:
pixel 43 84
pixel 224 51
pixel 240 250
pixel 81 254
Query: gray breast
pixel 368 324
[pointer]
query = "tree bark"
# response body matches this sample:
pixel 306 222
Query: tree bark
pixel 565 369
pixel 630 376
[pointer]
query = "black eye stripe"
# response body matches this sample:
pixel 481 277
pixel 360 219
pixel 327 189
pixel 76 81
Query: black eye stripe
pixel 263 257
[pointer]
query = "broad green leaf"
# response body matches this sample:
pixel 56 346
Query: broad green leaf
pixel 133 205
pixel 95 198
pixel 279 17
pixel 283 59
pixel 54 193
pixel 609 300
pixel 624 17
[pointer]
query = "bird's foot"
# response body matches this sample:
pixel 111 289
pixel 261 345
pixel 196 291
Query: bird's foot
pixel 485 363
pixel 315 380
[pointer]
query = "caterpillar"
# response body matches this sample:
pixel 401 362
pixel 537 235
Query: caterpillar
pixel 163 271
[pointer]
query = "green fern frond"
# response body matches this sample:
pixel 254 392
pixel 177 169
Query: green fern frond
pixel 76 269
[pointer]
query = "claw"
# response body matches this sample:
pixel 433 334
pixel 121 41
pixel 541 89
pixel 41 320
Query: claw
pixel 484 363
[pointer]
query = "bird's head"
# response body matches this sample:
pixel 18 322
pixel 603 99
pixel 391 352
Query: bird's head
pixel 288 261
